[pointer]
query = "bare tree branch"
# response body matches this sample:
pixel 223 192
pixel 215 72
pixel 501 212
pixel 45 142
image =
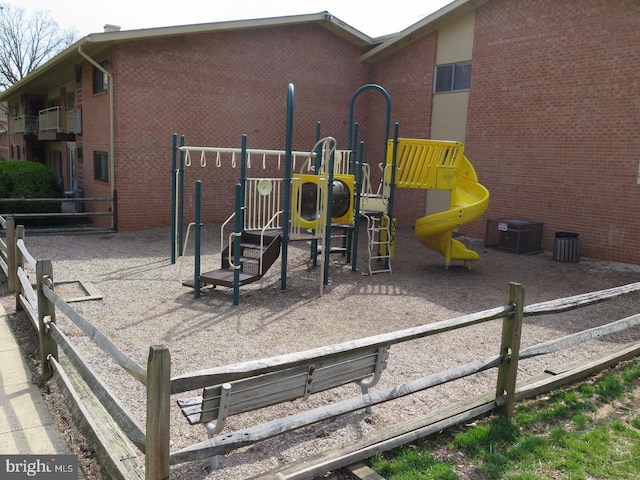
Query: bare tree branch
pixel 28 41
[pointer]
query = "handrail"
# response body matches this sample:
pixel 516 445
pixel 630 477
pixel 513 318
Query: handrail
pixel 55 119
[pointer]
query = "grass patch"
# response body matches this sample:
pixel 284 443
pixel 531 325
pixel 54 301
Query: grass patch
pixel 586 431
pixel 412 464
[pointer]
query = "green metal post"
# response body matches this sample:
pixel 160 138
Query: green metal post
pixel 392 188
pixel 317 164
pixel 239 222
pixel 198 233
pixel 356 229
pixel 243 161
pixel 287 187
pixel 327 235
pixel 181 200
pixel 174 200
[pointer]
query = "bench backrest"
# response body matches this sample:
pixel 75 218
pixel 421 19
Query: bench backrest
pixel 254 392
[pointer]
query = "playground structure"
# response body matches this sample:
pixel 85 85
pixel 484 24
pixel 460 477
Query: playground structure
pixel 322 195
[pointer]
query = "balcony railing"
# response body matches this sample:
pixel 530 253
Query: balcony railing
pixel 56 119
pixel 25 125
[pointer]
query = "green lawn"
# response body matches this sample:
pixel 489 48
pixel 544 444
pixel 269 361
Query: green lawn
pixel 588 431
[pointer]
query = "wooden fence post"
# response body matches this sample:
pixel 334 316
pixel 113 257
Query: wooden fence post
pixel 156 453
pixel 46 314
pixel 510 345
pixel 19 264
pixel 10 240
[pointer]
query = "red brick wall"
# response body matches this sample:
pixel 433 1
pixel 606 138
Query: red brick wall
pixel 95 138
pixel 553 119
pixel 213 88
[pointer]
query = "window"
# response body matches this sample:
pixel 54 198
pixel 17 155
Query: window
pixel 101 166
pixel 100 79
pixel 452 77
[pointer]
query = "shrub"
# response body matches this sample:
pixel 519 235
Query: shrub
pixel 20 179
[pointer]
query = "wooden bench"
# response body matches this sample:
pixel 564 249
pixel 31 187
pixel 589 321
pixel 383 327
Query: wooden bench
pixel 258 390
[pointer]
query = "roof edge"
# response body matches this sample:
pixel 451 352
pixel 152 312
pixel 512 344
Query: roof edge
pixel 324 19
pixel 321 17
pixel 420 29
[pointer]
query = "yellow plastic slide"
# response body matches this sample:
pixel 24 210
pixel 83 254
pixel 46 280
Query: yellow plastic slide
pixel 469 200
pixel 430 164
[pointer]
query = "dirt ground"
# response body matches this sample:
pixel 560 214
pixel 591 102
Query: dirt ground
pixel 144 303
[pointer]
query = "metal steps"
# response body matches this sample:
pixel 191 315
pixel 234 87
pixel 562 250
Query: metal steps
pixel 258 253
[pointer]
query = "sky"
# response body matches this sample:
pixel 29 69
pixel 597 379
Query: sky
pixel 372 17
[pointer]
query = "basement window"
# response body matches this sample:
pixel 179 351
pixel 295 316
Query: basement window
pixel 453 77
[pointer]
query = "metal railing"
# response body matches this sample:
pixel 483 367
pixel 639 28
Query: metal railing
pixel 56 119
pixel 25 124
pixel 75 210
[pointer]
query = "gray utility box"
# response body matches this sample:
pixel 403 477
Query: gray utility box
pixel 514 235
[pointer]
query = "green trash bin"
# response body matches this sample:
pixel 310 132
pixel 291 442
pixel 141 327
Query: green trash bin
pixel 566 247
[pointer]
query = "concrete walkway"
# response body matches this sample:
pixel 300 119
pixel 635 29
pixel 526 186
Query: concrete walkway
pixel 26 427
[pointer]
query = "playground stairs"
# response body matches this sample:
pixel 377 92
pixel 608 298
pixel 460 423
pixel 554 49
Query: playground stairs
pixel 379 242
pixel 258 252
pixel 341 235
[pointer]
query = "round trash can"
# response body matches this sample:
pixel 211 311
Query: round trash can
pixel 566 247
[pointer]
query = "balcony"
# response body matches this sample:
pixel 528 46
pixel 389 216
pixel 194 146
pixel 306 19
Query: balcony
pixel 25 125
pixel 58 124
pixel 55 123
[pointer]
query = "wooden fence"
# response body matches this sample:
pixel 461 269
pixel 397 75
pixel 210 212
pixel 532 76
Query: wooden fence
pixel 121 442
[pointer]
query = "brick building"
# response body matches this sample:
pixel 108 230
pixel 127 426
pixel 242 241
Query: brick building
pixel 544 94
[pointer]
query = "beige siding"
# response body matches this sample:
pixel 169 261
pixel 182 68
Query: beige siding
pixel 455 40
pixel 449 121
pixel 449 110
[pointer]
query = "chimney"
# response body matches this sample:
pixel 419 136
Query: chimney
pixel 108 28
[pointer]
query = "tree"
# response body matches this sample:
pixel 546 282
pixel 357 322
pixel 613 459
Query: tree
pixel 27 41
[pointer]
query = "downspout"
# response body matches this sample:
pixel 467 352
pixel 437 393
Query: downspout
pixel 112 133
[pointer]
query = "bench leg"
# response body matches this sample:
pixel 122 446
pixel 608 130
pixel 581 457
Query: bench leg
pixel 214 463
pixel 381 364
pixel 365 390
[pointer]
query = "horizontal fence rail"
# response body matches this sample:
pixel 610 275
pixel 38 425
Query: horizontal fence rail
pixel 78 206
pixel 94 334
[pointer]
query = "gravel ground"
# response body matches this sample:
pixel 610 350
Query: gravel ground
pixel 144 303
